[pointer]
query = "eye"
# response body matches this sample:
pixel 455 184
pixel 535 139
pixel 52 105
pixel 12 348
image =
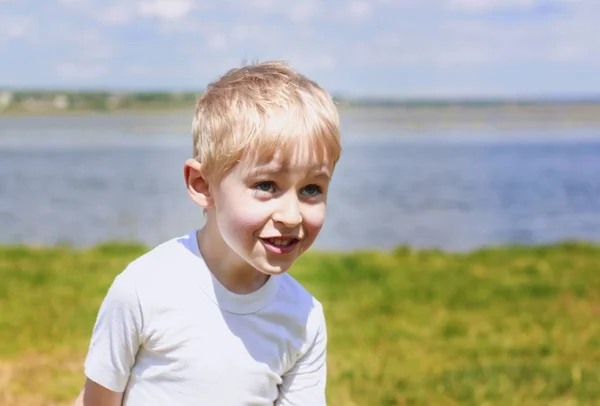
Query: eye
pixel 312 190
pixel 267 187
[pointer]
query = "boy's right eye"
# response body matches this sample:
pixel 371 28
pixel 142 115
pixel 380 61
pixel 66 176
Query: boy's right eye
pixel 267 187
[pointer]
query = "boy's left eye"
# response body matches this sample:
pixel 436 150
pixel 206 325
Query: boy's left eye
pixel 265 186
pixel 311 190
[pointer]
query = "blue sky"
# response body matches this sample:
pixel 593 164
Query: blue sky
pixel 389 48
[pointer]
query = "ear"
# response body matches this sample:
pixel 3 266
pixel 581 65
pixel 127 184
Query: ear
pixel 197 183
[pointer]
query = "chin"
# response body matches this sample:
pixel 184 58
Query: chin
pixel 273 264
pixel 274 269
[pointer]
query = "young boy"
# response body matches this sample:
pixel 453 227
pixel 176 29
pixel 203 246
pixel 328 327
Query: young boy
pixel 212 318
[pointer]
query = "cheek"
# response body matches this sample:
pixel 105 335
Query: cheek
pixel 243 217
pixel 314 218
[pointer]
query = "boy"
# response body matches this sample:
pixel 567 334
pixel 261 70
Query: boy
pixel 212 318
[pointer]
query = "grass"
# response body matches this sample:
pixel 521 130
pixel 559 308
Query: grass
pixel 498 326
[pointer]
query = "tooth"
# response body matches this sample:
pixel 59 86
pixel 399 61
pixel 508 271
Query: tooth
pixel 280 242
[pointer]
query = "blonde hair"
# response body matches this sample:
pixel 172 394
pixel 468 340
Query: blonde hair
pixel 264 109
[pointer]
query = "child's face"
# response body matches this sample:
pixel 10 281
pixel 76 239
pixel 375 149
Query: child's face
pixel 269 214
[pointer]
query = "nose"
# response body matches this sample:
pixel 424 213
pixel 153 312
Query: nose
pixel 288 211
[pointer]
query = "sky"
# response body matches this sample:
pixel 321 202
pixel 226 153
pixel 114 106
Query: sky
pixel 377 48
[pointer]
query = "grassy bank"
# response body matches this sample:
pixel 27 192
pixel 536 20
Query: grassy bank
pixel 502 326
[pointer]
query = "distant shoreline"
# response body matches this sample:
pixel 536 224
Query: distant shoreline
pixel 93 112
pixel 540 116
pixel 58 102
pixel 142 108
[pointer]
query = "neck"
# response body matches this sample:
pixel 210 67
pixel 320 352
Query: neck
pixel 235 274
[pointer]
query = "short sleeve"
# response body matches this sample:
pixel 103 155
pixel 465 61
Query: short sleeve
pixel 305 383
pixel 116 336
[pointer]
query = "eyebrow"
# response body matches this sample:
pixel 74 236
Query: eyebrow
pixel 317 171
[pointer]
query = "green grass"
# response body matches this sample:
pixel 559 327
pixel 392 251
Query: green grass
pixel 499 326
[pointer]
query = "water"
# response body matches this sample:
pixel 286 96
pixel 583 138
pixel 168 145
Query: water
pixel 88 179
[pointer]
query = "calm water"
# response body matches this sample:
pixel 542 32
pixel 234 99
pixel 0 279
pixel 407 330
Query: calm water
pixel 88 179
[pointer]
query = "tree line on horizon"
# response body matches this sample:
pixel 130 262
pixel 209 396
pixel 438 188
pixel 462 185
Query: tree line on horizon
pixel 36 100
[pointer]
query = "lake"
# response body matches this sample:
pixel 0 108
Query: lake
pixel 404 178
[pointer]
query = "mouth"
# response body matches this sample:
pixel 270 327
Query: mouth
pixel 280 245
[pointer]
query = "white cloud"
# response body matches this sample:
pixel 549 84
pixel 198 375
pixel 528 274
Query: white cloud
pixel 217 41
pixel 317 36
pixel 125 12
pixel 16 27
pixel 77 71
pixel 89 44
pixel 166 9
pixel 310 61
pixel 358 10
pixel 566 52
pixel 71 3
pixel 298 12
pixel 476 6
pixel 486 6
pixel 116 14
pixel 303 11
pixel 265 6
pixel 469 42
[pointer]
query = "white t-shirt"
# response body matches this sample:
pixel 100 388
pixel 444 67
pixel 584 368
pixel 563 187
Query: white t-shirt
pixel 169 333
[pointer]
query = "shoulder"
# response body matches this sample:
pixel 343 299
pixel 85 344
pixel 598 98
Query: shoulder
pixel 154 278
pixel 301 307
pixel 293 292
pixel 160 264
